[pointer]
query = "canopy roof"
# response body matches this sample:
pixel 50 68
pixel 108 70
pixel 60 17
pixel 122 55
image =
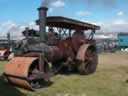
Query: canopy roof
pixel 67 23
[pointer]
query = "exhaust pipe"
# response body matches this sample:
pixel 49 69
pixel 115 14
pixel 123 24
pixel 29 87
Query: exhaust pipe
pixel 42 22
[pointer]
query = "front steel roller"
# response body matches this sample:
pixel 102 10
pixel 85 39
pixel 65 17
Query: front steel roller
pixel 87 57
pixel 25 72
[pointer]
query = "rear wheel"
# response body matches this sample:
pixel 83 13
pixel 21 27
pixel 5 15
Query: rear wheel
pixel 89 64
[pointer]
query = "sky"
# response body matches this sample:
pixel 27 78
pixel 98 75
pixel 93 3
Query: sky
pixel 111 15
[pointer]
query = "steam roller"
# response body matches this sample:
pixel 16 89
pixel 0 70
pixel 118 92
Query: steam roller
pixel 65 47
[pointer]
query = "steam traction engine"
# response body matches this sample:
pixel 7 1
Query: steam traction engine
pixel 64 47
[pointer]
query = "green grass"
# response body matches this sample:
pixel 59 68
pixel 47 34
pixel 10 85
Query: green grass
pixel 109 80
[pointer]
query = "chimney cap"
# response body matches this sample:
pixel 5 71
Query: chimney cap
pixel 43 8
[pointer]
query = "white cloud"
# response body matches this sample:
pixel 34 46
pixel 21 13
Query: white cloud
pixel 15 29
pixel 121 13
pixel 84 13
pixel 117 25
pixel 6 26
pixel 120 22
pixel 57 3
pixel 32 25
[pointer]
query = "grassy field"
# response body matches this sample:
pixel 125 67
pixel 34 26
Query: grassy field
pixel 109 80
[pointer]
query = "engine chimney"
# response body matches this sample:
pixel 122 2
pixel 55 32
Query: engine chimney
pixel 42 22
